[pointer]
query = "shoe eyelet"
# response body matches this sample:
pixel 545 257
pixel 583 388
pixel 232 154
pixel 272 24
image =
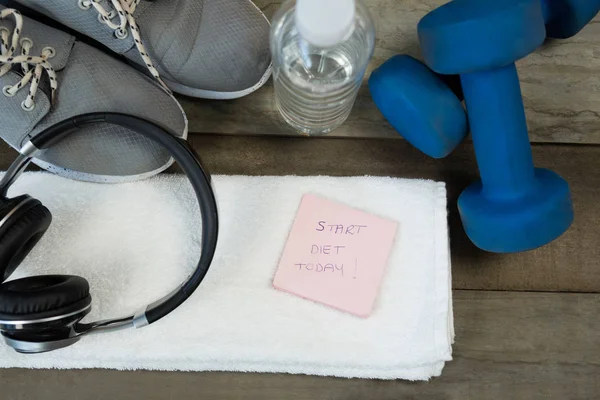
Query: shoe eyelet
pixel 50 50
pixel 3 29
pixel 121 34
pixel 26 41
pixel 28 109
pixel 101 19
pixel 83 6
pixel 5 91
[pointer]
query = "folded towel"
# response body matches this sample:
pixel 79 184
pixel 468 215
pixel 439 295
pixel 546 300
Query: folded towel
pixel 135 242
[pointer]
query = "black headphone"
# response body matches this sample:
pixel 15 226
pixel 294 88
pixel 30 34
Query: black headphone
pixel 43 313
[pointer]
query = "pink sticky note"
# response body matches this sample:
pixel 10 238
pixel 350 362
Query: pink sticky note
pixel 336 255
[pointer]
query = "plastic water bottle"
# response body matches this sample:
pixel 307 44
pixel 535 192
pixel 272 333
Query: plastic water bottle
pixel 320 51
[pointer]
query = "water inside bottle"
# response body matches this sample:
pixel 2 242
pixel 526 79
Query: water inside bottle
pixel 321 69
pixel 316 91
pixel 316 87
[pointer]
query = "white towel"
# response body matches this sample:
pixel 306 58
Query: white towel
pixel 135 242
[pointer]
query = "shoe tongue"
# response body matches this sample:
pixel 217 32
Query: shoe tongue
pixel 43 36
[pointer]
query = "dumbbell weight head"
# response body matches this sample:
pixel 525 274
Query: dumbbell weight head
pixel 514 207
pixel 565 18
pixel 530 220
pixel 420 105
pixel 465 36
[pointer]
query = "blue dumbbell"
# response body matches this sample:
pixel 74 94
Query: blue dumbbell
pixel 425 108
pixel 514 207
pixel 417 103
pixel 565 18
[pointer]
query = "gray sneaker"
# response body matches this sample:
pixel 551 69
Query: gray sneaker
pixel 47 75
pixel 214 49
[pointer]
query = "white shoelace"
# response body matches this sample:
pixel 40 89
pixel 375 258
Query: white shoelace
pixel 124 9
pixel 30 75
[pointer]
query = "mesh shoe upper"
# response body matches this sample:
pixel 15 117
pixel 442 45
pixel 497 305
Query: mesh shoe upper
pixel 89 81
pixel 213 45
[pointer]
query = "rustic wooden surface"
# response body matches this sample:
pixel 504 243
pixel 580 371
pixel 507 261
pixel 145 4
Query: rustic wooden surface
pixel 516 339
pixel 560 82
pixel 508 346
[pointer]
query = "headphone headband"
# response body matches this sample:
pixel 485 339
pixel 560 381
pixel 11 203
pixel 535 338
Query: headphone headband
pixel 191 165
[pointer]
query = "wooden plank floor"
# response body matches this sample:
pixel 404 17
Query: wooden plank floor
pixel 516 336
pixel 508 346
pixel 526 324
pixel 560 83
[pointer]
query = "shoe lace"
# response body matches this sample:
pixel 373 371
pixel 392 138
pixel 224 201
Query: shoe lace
pixel 124 9
pixel 31 66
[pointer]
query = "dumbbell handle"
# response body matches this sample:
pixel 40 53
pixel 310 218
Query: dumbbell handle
pixel 499 131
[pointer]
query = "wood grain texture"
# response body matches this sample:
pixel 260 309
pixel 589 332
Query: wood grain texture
pixel 508 346
pixel 560 82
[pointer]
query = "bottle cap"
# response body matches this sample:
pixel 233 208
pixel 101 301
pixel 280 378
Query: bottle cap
pixel 325 23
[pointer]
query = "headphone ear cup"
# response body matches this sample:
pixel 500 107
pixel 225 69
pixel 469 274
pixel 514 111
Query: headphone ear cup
pixel 43 296
pixel 20 233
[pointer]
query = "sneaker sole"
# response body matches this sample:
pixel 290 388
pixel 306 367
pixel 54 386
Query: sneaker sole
pixel 213 95
pixel 86 177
